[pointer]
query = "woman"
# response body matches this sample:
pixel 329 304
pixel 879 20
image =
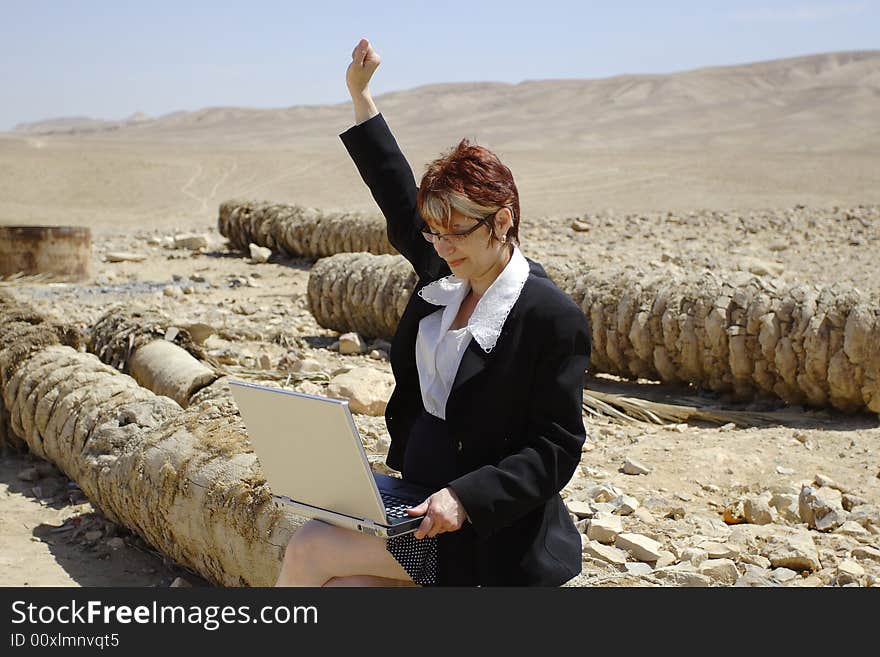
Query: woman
pixel 488 360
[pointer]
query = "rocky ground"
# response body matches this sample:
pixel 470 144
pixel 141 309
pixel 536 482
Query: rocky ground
pixel 674 505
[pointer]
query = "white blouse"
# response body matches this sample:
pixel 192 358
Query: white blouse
pixel 439 350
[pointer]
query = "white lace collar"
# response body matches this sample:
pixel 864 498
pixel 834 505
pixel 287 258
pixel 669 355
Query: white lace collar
pixel 493 307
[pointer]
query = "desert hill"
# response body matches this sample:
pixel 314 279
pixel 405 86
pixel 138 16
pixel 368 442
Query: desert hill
pixel 803 130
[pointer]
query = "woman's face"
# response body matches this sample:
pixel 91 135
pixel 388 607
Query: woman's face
pixel 474 256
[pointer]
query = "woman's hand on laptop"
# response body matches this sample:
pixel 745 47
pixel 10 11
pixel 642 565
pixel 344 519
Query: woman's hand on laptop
pixel 443 513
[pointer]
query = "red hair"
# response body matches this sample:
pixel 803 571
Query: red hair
pixel 472 180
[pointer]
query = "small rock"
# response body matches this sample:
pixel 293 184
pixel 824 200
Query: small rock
pixel 676 513
pixel 755 577
pixel 190 241
pixel 719 570
pixel 366 389
pixel 579 508
pixel 786 507
pixel 641 547
pixel 351 343
pixel 730 426
pixel 644 515
pixel 607 553
pixel 666 559
pixel 783 574
pixel 245 308
pixel 823 481
pixel 306 365
pixel 795 550
pixel 694 556
pixel 94 535
pixel 758 511
pixel 720 550
pixel 850 528
pixel 814 504
pixel 265 362
pixel 603 493
pixel 851 568
pixel 310 388
pixel 199 332
pixel 866 552
pixel 633 467
pixel 639 569
pixel 580 226
pixel 849 501
pixel 179 582
pixel 604 527
pixel 756 560
pixel 784 471
pixel 867 515
pixel 625 504
pixel 259 254
pixel 602 507
pixel 831 520
pixel 676 577
pixel 124 256
pixel 734 514
pixel 115 543
pixel 172 291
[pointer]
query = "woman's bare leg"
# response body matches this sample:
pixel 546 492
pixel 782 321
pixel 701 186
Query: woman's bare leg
pixel 319 552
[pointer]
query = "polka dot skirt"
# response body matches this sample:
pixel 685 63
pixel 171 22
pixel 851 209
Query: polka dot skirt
pixel 418 557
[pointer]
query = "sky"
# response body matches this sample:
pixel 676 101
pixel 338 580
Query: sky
pixel 108 60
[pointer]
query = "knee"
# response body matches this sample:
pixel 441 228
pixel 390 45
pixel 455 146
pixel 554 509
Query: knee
pixel 306 545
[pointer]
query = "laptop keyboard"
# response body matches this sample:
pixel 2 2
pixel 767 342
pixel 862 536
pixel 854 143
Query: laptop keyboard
pixel 395 507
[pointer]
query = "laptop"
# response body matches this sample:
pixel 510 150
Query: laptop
pixel 314 462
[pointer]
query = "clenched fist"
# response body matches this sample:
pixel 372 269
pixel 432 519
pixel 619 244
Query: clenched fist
pixel 364 62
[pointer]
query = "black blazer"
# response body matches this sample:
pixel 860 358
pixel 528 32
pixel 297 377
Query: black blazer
pixel 515 413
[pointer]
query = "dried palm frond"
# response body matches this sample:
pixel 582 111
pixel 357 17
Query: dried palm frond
pixel 654 404
pixel 20 278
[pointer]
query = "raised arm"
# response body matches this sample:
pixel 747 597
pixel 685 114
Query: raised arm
pixel 384 168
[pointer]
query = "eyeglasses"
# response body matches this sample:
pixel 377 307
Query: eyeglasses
pixel 454 238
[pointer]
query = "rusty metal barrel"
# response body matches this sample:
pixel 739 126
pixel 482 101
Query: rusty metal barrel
pixel 57 251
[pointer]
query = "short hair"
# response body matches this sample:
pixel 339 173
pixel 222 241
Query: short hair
pixel 471 179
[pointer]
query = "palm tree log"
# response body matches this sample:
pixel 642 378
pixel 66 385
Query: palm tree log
pixel 146 344
pixel 741 334
pixel 186 480
pixel 360 292
pixel 293 230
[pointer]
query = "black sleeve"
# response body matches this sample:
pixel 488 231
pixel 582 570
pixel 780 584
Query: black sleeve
pixel 495 496
pixel 388 175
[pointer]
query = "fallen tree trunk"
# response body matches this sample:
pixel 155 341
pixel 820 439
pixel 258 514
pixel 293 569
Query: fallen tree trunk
pixel 360 292
pixel 184 480
pixel 160 356
pixel 293 230
pixel 24 331
pixel 742 335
